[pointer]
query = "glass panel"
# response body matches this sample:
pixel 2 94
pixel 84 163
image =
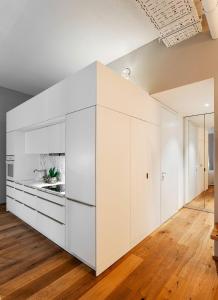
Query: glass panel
pixel 195 157
pixel 209 162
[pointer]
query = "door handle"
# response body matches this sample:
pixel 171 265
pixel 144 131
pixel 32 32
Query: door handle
pixel 163 174
pixel 147 176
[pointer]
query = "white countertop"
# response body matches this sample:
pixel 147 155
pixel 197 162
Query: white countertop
pixel 40 184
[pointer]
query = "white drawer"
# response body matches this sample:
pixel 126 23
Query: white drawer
pixel 18 195
pixel 29 216
pixel 51 229
pixel 9 204
pixel 29 200
pixel 10 191
pixel 10 183
pixel 29 190
pixel 18 209
pixel 51 197
pixel 18 185
pixel 51 209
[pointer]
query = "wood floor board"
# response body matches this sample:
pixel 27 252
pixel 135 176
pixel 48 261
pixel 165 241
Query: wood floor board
pixel 204 201
pixel 174 262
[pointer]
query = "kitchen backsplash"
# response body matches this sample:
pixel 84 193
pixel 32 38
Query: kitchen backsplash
pixel 49 161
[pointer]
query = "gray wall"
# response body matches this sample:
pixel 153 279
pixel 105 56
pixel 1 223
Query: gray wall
pixel 8 100
pixel 157 68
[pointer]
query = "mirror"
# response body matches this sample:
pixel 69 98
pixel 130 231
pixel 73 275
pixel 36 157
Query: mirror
pixel 199 162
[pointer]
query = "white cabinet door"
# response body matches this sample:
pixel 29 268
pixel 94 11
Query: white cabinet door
pixel 50 139
pixel 112 189
pixel 10 143
pixel 56 138
pixel 54 230
pixel 36 141
pixel 145 179
pixel 80 156
pixel 80 228
pixel 169 164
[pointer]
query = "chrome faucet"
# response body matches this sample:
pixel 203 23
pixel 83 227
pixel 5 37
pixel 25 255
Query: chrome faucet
pixel 40 171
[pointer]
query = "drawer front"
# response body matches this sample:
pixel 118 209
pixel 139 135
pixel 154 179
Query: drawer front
pixel 18 186
pixel 9 204
pixel 10 191
pixel 29 190
pixel 51 209
pixel 29 200
pixel 51 197
pixel 10 183
pixel 51 229
pixel 18 209
pixel 29 216
pixel 18 195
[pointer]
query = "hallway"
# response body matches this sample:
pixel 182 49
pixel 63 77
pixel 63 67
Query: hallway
pixel 175 262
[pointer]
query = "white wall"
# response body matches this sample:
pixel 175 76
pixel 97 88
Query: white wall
pixel 181 161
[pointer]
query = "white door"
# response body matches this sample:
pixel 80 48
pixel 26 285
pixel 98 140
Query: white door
pixel 145 179
pixel 80 231
pixel 169 164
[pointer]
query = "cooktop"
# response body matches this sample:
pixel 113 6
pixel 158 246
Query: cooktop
pixel 60 188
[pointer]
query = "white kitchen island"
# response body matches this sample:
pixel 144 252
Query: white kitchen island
pixel 112 198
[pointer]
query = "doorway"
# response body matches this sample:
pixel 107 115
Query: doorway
pixel 194 105
pixel 199 162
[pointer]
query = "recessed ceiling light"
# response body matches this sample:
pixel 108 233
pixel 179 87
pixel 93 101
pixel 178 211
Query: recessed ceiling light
pixel 206 104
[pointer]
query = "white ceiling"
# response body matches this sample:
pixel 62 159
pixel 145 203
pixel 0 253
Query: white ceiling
pixel 190 99
pixel 43 41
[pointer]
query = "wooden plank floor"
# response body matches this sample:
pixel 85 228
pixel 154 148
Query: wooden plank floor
pixel 204 201
pixel 175 262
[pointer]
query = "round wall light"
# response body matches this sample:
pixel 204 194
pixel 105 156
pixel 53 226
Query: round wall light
pixel 126 73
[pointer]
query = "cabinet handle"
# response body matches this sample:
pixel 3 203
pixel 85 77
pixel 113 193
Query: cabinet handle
pixel 50 201
pixel 163 174
pixel 76 201
pixel 50 218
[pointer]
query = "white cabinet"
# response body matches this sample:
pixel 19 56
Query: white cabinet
pixel 36 141
pixel 50 139
pixel 29 216
pixel 9 204
pixel 145 179
pixel 80 156
pixel 10 143
pixel 80 231
pixel 54 230
pixel 53 210
pixel 56 138
pixel 112 188
pixel 45 215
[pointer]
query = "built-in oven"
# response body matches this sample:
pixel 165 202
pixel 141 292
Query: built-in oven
pixel 10 167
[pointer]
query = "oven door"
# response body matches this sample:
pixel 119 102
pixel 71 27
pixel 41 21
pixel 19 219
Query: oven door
pixel 10 170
